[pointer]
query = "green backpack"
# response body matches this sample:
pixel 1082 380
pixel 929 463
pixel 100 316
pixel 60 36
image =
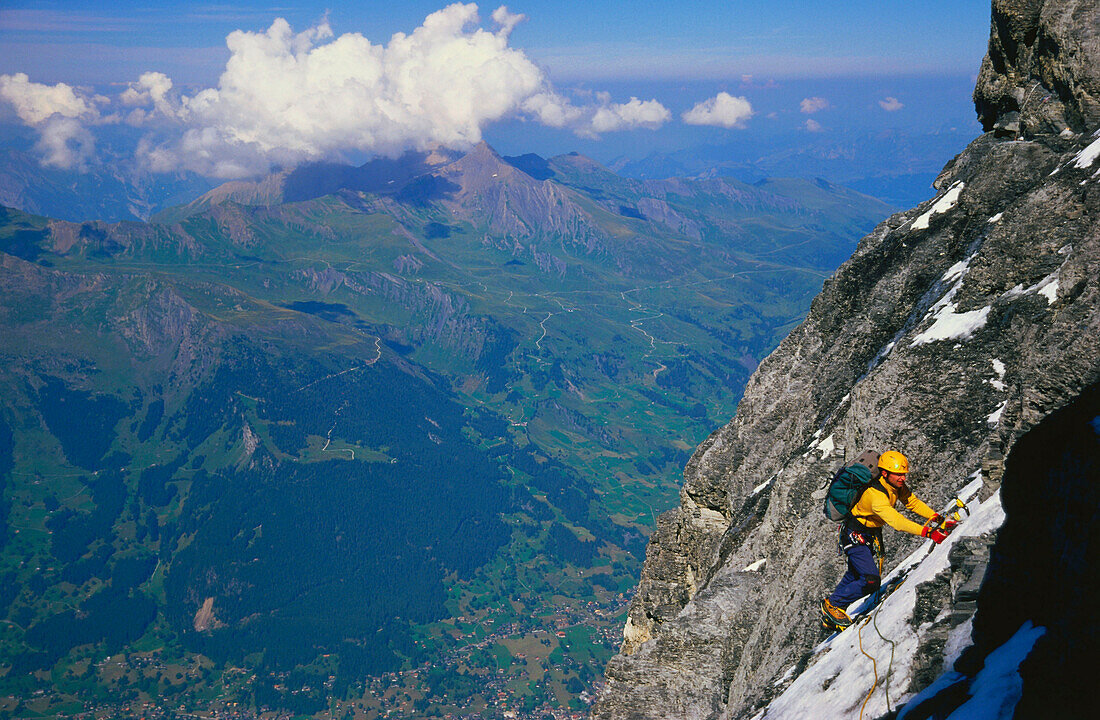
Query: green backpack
pixel 847 485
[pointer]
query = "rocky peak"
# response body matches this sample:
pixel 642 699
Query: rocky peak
pixel 1042 71
pixel 481 166
pixel 484 188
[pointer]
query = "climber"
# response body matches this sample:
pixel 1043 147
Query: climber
pixel 861 535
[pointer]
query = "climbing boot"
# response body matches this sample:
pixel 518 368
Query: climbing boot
pixel 833 617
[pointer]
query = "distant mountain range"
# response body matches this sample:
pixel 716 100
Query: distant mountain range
pixel 896 167
pixel 346 421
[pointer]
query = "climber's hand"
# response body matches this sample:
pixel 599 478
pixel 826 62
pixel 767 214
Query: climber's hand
pixel 934 534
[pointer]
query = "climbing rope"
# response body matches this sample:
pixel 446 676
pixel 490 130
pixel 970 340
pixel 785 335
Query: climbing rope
pixel 874 665
pixel 890 667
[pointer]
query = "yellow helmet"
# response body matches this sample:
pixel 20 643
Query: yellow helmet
pixel 893 461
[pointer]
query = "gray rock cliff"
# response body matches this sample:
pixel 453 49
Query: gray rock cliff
pixel 954 329
pixel 1039 75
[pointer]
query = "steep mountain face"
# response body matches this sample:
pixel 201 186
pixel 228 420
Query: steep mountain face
pixel 954 329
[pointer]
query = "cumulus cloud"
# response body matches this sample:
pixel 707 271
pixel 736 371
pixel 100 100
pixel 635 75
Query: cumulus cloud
pixel 597 115
pixel 59 114
pixel 813 125
pixel 506 19
pixel 636 113
pixel 36 103
pixel 722 110
pixel 811 105
pixel 63 142
pixel 287 97
pixel 890 104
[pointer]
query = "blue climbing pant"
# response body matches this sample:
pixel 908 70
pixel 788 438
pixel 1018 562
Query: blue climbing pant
pixel 863 576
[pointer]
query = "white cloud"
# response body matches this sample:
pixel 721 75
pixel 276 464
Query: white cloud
pixel 287 97
pixel 890 104
pixel 811 105
pixel 598 115
pixel 552 109
pixel 722 110
pixel 506 19
pixel 648 114
pixel 65 143
pixel 36 103
pixel 59 113
pixel 813 125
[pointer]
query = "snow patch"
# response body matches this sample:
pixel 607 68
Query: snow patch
pixel 994 418
pixel 998 687
pixel 756 566
pixel 957 270
pixel 945 203
pixel 826 446
pixel 951 325
pixel 972 488
pixel 1088 156
pixel 1049 290
pixel 998 382
pixel 996 218
pixel 763 485
pixel 1047 287
pixel 959 638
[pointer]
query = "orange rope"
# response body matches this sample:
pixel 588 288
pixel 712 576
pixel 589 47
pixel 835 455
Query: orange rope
pixel 874 667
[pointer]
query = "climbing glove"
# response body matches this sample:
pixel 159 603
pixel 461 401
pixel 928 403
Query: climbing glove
pixel 934 534
pixel 938 521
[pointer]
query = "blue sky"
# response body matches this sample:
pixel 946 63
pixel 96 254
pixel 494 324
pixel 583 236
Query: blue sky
pixel 81 41
pixel 230 90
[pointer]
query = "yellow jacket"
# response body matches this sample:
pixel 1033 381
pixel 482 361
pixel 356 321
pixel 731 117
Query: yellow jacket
pixel 875 507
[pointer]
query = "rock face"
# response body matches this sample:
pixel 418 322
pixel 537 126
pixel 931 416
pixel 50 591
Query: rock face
pixel 954 329
pixel 1039 75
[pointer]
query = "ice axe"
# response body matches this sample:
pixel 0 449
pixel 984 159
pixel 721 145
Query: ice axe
pixel 955 512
